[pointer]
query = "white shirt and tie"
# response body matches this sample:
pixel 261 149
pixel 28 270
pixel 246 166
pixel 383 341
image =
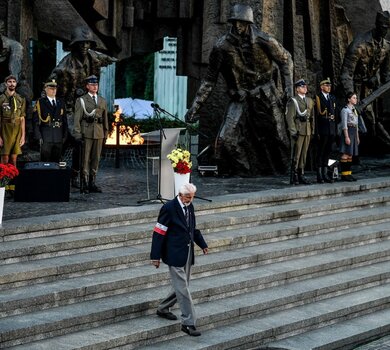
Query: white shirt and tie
pixel 52 101
pixel 94 98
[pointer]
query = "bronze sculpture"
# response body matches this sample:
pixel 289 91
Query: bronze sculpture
pixel 11 55
pixel 366 67
pixel 253 136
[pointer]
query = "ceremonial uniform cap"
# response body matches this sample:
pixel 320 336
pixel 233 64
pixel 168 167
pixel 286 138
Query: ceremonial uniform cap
pixel 9 77
pixel 51 83
pixel 92 79
pixel 300 82
pixel 325 81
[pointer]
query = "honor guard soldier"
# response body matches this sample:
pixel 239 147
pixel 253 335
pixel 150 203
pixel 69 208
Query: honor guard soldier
pixel 300 121
pixel 50 123
pixel 325 129
pixel 90 129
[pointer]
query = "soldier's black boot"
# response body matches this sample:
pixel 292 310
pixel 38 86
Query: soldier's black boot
pixel 84 188
pixel 92 185
pixel 320 179
pixel 302 179
pixel 294 177
pixel 325 175
pixel 75 181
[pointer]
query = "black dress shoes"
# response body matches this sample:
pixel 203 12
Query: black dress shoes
pixel 168 315
pixel 347 178
pixel 190 330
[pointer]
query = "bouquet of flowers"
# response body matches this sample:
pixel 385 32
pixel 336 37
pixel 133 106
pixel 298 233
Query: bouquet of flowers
pixel 7 173
pixel 180 160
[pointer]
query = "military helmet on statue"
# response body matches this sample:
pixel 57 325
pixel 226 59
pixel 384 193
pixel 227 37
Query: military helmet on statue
pixel 241 12
pixel 81 34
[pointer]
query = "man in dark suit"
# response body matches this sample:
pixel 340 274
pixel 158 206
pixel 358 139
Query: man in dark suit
pixel 300 121
pixel 173 241
pixel 50 123
pixel 325 129
pixel 90 128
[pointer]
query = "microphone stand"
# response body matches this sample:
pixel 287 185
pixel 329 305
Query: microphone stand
pixel 156 112
pixel 188 126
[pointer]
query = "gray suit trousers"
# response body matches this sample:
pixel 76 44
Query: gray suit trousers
pixel 180 279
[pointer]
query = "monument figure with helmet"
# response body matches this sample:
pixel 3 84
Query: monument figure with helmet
pixel 253 136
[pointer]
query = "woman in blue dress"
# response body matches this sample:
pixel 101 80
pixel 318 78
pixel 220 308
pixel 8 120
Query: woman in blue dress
pixel 349 136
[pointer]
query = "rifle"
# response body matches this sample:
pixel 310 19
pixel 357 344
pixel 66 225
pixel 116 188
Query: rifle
pixel 372 97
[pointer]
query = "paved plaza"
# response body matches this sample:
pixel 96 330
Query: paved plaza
pixel 129 184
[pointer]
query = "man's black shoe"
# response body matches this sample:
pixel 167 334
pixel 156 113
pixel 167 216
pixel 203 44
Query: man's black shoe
pixel 167 315
pixel 190 330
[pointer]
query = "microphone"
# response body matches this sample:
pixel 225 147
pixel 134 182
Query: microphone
pixel 155 105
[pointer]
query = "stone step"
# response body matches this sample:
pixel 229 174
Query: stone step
pixel 114 217
pixel 33 297
pixel 251 318
pixel 344 335
pixel 100 239
pixel 109 309
pixel 51 269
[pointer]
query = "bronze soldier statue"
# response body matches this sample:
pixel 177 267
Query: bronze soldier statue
pixel 253 135
pixel 11 56
pixel 366 66
pixel 70 75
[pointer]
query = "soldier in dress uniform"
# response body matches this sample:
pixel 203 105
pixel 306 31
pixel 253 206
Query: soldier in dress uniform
pixel 300 121
pixel 50 123
pixel 325 129
pixel 90 129
pixel 12 127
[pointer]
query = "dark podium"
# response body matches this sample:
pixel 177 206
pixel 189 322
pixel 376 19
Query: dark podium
pixel 42 182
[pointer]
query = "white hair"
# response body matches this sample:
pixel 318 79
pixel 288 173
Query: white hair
pixel 187 188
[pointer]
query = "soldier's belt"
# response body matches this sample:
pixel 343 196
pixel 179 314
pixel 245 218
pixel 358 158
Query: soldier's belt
pixel 11 120
pixel 302 118
pixel 90 120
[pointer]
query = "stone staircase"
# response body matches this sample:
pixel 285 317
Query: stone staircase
pixel 298 268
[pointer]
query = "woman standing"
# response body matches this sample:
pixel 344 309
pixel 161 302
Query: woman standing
pixel 349 136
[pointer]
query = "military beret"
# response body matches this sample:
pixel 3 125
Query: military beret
pixel 325 81
pixel 300 82
pixel 51 83
pixel 9 77
pixel 92 79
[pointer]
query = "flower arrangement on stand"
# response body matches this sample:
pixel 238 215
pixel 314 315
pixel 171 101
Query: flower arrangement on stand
pixel 181 160
pixel 7 173
pixel 181 164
